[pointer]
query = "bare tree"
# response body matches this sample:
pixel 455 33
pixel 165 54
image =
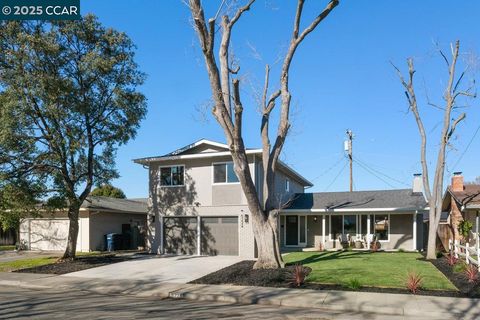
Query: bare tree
pixel 452 92
pixel 228 110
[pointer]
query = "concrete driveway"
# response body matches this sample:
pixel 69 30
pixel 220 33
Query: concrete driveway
pixel 158 269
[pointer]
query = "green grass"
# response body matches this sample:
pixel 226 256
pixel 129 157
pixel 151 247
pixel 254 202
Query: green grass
pixel 7 248
pixel 26 263
pixel 380 269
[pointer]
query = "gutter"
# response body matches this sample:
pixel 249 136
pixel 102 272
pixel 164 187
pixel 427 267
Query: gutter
pixel 354 210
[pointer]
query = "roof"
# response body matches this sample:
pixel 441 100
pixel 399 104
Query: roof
pixel 391 200
pixel 469 197
pixel 217 150
pixel 114 204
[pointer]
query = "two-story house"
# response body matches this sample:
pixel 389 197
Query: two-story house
pixel 197 206
pixel 196 203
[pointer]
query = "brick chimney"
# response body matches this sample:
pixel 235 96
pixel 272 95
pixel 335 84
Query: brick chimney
pixel 457 182
pixel 417 183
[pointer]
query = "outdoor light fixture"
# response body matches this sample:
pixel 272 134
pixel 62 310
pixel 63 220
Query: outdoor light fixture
pixel 315 218
pixel 246 218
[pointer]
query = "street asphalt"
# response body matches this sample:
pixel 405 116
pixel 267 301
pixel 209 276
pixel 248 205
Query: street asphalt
pixel 21 303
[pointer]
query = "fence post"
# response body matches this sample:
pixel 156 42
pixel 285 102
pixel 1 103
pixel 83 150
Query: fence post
pixel 455 248
pixel 478 254
pixel 467 253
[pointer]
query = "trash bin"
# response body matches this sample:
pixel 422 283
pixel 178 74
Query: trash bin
pixel 113 241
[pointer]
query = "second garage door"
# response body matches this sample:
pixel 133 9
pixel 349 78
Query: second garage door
pixel 219 236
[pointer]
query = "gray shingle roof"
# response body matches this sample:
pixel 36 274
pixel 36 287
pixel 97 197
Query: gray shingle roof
pixel 401 198
pixel 113 204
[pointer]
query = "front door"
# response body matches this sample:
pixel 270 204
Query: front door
pixel 291 230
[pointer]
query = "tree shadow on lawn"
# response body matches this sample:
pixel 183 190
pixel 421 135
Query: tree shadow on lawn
pixel 331 255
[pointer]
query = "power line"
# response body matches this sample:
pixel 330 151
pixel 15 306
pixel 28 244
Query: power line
pixel 466 149
pixel 336 177
pixel 373 173
pixel 381 173
pixel 336 164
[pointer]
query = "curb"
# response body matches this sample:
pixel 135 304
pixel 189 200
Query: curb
pixel 271 301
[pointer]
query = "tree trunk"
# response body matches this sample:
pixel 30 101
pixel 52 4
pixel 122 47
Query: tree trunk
pixel 268 244
pixel 73 215
pixel 432 236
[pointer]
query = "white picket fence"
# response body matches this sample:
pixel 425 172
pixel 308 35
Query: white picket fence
pixel 470 253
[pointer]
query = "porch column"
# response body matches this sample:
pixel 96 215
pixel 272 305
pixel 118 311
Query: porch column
pixel 476 223
pixel 368 231
pixel 199 239
pixel 323 231
pixel 414 231
pixel 160 220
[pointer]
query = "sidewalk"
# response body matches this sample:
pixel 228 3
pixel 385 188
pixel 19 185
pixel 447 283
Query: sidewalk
pixel 377 303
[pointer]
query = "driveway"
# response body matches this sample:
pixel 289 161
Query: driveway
pixel 7 256
pixel 158 269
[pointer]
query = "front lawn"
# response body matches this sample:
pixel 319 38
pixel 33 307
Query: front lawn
pixel 26 263
pixel 7 248
pixel 379 269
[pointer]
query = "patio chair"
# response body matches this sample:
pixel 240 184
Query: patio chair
pixel 343 239
pixel 368 238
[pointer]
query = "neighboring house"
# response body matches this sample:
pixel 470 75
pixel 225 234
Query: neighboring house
pixel 460 202
pixel 98 217
pixel 197 206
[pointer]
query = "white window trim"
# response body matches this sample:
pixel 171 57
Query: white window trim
pixel 226 174
pixel 287 185
pixel 299 244
pixel 170 186
pixel 359 224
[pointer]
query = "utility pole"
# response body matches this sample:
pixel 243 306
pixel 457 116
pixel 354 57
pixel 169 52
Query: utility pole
pixel 349 150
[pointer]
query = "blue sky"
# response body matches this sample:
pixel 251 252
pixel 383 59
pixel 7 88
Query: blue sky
pixel 341 78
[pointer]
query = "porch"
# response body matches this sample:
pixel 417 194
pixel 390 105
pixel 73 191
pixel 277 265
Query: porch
pixel 310 231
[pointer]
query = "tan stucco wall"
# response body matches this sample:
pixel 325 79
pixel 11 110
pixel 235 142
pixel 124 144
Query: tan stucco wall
pixel 110 222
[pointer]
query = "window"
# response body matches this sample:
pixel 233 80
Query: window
pixel 224 173
pixel 336 226
pixel 350 225
pixel 172 176
pixel 287 185
pixel 380 227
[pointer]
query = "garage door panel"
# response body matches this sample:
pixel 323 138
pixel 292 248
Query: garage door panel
pixel 48 234
pixel 220 236
pixel 180 235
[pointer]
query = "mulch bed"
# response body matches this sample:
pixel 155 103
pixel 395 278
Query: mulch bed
pixel 243 274
pixel 80 263
pixel 459 279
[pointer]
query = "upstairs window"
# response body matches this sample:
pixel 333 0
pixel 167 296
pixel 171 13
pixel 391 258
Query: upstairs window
pixel 287 185
pixel 224 173
pixel 172 176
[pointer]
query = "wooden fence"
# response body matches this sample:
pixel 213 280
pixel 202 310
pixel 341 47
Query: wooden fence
pixel 469 253
pixel 7 237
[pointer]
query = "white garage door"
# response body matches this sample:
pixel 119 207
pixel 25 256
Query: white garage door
pixel 48 234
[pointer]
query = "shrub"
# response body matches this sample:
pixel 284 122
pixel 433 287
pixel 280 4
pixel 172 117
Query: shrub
pixel 299 274
pixel 353 284
pixel 401 250
pixel 439 254
pixel 375 246
pixel 459 267
pixel 471 272
pixel 464 228
pixel 414 282
pixel 451 260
